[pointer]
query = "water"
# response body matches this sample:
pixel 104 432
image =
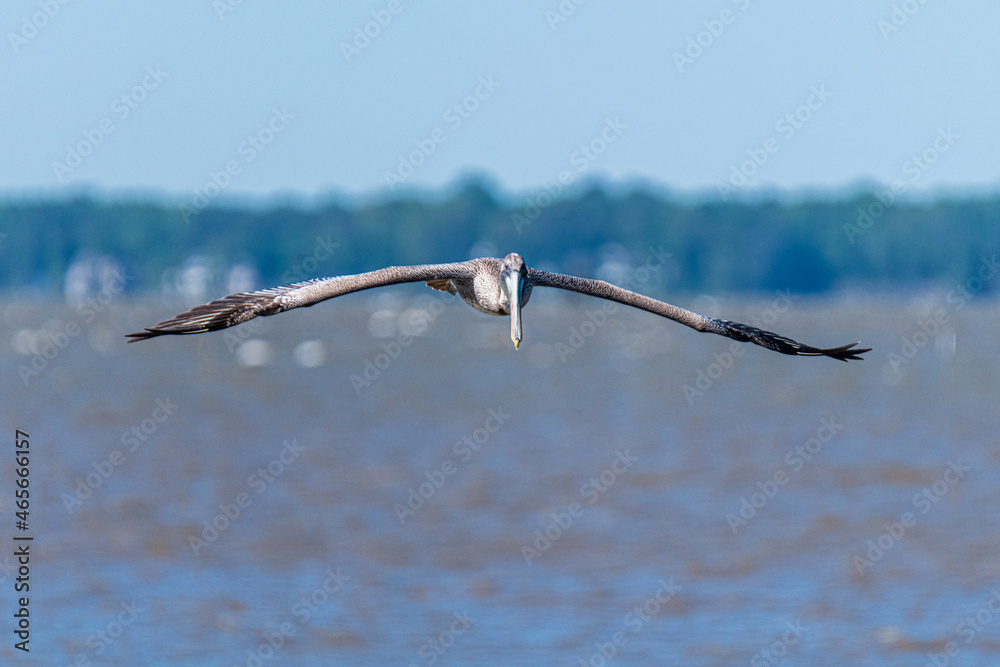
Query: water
pixel 591 439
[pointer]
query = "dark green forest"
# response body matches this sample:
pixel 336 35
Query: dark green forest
pixel 808 246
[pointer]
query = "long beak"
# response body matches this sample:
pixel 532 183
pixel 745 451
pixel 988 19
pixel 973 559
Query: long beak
pixel 514 284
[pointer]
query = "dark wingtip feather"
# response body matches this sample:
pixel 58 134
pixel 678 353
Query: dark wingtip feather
pixel 778 343
pixel 846 352
pixel 141 335
pixel 218 314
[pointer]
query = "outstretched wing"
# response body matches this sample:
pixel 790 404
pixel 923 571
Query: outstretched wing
pixel 238 308
pixel 735 330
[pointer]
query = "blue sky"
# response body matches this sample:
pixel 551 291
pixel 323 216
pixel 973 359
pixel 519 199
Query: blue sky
pixel 311 99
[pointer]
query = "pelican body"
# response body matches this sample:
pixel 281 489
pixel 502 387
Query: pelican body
pixel 490 285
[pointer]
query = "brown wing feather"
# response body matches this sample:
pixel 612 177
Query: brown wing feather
pixel 219 314
pixel 238 308
pixel 734 330
pixel 444 284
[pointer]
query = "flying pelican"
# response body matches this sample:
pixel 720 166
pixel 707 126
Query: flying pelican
pixel 490 285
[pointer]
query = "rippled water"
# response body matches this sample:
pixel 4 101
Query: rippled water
pixel 467 503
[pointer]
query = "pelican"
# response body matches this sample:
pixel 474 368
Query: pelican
pixel 488 284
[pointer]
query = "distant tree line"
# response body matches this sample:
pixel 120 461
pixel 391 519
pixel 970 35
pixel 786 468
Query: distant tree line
pixel 805 245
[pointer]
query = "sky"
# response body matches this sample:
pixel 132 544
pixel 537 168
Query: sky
pixel 220 100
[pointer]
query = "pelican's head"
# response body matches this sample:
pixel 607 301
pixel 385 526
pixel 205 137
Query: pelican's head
pixel 513 277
